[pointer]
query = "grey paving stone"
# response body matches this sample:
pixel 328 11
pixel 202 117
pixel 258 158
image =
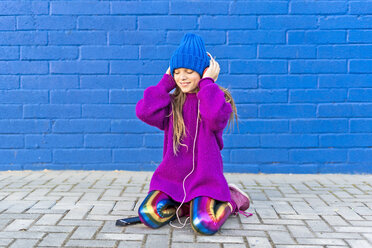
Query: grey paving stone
pixel 24 243
pixel 355 243
pixel 335 220
pixel 80 223
pixel 183 237
pixel 5 242
pixel 318 226
pixel 353 229
pixel 219 239
pixel 17 225
pixel 302 246
pixel 130 244
pixel 84 232
pixel 264 227
pixel 44 204
pixel 21 235
pixel 281 238
pixel 338 235
pixel 300 231
pixel 234 245
pixel 259 242
pixel 267 213
pixel 196 245
pixel 90 243
pixel 120 236
pixel 153 240
pixel 54 239
pixel 79 209
pixel 51 229
pixel 368 236
pixel 49 219
pixel 316 241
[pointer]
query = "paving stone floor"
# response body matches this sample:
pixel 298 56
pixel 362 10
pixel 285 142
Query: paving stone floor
pixel 79 208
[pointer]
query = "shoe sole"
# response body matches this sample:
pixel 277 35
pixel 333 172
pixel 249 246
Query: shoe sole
pixel 242 192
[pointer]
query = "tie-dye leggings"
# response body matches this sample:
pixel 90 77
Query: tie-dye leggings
pixel 206 214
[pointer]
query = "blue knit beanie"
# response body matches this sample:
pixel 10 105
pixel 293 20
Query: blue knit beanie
pixel 191 54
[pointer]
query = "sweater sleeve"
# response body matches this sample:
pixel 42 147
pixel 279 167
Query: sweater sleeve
pixel 213 107
pixel 156 103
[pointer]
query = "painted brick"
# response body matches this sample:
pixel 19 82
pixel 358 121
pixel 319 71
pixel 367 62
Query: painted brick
pixel 319 126
pixel 77 38
pixel 23 38
pixel 79 8
pixel 24 126
pixel 106 23
pixel 11 141
pixel 286 51
pixel 54 140
pixel 287 110
pixel 49 82
pixel 52 111
pixel 139 8
pixel 260 96
pixel 166 22
pixel 288 81
pixel 288 22
pixel 204 8
pixel 318 7
pixel 81 156
pixel 108 81
pixel 225 22
pixel 314 96
pixel 317 66
pixel 112 140
pixel 142 37
pixel 81 126
pixel 77 67
pixel 361 126
pixel 344 51
pixel 360 36
pixel 9 53
pixel 23 8
pixel 345 22
pixel 71 73
pixel 9 82
pixel 49 53
pixel 103 52
pixel 46 22
pixel 317 37
pixel 23 96
pixel 78 96
pixel 257 8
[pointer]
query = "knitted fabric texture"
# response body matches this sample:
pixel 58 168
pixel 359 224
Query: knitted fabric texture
pixel 207 178
pixel 191 54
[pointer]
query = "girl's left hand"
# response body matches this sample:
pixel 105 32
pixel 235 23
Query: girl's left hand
pixel 213 70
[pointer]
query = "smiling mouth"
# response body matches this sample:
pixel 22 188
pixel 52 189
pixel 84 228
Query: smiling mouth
pixel 185 84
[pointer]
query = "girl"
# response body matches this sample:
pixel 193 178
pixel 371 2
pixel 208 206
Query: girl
pixel 193 119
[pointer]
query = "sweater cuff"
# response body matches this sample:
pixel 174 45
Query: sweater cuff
pixel 167 82
pixel 205 81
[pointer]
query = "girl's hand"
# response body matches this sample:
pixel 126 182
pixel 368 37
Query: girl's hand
pixel 213 69
pixel 168 71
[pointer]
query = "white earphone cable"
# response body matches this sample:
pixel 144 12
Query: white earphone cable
pixel 183 183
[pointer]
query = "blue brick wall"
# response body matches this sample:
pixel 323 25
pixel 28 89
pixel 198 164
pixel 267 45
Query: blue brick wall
pixel 300 72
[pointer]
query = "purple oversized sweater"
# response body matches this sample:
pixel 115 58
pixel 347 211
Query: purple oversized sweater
pixel 207 178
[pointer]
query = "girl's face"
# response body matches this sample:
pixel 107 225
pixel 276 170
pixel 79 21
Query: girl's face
pixel 186 79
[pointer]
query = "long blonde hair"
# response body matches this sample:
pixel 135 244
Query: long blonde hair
pixel 179 130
